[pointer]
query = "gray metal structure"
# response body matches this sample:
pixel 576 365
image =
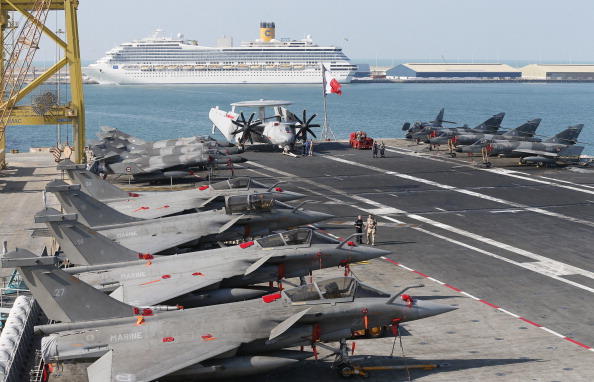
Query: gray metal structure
pixel 243 216
pixel 149 205
pixel 196 341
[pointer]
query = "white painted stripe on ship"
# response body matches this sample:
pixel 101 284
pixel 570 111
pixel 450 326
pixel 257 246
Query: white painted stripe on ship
pixel 508 312
pixel 471 296
pixel 552 332
pixel 501 171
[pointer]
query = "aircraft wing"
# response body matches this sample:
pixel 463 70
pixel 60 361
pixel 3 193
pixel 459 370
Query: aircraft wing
pixel 538 152
pixel 124 364
pixel 158 289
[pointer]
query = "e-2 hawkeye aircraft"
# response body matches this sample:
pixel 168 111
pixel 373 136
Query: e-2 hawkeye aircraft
pixel 150 205
pixel 202 278
pixel 243 216
pixel 206 342
pixel 282 129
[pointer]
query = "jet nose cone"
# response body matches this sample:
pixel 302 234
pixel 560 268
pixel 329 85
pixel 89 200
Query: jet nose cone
pixel 362 253
pixel 314 217
pixel 285 196
pixel 429 309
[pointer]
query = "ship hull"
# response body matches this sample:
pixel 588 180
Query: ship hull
pixel 104 74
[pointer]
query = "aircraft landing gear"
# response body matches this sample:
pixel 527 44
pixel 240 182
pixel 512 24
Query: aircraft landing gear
pixel 342 363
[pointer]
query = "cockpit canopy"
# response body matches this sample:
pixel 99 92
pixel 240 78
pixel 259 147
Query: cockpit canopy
pixel 297 236
pixel 233 183
pixel 250 203
pixel 340 288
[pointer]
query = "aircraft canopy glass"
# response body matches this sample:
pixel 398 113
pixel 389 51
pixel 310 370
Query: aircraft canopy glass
pixel 250 203
pixel 292 237
pixel 332 289
pixel 232 184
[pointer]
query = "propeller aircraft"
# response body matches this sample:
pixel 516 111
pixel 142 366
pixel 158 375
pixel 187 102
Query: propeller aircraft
pixel 282 129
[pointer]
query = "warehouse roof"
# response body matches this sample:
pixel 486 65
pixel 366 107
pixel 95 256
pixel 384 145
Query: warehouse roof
pixel 444 67
pixel 565 68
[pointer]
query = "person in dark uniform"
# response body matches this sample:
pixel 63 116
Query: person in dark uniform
pixel 382 150
pixel 374 149
pixel 359 229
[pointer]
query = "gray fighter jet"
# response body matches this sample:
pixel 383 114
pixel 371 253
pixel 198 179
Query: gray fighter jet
pixel 202 343
pixel 524 132
pixel 490 126
pixel 243 216
pixel 110 160
pixel 150 205
pixel 107 133
pixel 418 126
pixel 202 278
pixel 517 149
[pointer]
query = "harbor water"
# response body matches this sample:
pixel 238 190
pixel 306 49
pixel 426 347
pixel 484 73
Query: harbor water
pixel 170 111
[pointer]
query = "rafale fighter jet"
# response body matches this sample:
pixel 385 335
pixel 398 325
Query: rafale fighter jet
pixel 281 129
pixel 150 205
pixel 524 132
pixel 202 343
pixel 517 149
pixel 243 216
pixel 490 126
pixel 201 278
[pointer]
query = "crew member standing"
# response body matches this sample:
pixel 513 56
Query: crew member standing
pixel 359 229
pixel 374 149
pixel 371 225
pixel 307 147
pixel 311 147
pixel 382 149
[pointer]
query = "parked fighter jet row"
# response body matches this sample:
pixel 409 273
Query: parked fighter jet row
pixel 159 271
pixel 119 154
pixel 486 138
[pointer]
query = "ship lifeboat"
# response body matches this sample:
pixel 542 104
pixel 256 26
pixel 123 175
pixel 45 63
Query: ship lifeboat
pixel 242 67
pixel 285 66
pixel 299 67
pixel 214 66
pixel 227 67
pixel 270 67
pixel 131 67
pixel 172 67
pixel 159 67
pixel 188 67
pixel 145 67
pixel 199 67
pixel 256 67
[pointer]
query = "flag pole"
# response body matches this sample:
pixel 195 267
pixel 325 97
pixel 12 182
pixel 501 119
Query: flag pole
pixel 326 132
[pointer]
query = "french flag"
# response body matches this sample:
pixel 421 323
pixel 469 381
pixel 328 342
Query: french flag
pixel 330 83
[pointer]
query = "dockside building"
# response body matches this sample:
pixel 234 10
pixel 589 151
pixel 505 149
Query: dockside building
pixel 445 70
pixel 558 72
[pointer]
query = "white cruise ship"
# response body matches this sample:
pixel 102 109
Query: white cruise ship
pixel 164 60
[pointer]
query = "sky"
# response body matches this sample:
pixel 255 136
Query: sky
pixel 396 30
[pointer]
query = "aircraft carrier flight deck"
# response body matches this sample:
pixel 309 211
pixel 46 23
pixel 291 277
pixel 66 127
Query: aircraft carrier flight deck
pixel 510 246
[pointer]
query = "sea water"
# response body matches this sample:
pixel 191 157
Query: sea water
pixel 169 111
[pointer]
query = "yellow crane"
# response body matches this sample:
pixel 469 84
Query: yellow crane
pixel 16 61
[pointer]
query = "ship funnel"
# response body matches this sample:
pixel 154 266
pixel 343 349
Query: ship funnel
pixel 266 31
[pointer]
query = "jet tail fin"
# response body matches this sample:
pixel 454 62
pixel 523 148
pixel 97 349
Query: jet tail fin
pixel 571 151
pixel 62 296
pixel 91 212
pixel 90 183
pixel 491 124
pixel 82 245
pixel 438 122
pixel 525 130
pixel 568 136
